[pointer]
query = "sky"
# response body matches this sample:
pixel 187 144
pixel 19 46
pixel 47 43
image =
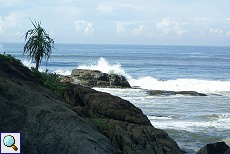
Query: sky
pixel 153 22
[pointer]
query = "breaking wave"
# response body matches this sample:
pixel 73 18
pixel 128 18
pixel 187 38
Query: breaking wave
pixel 148 82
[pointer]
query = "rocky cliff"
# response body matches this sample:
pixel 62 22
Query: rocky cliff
pixel 47 124
pixel 91 122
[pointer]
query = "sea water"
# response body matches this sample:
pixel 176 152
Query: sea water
pixel 192 121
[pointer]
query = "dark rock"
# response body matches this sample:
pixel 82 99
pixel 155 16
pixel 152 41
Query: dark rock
pixel 135 139
pixel 91 103
pixel 47 124
pixel 95 78
pixel 215 148
pixel 167 93
pixel 128 128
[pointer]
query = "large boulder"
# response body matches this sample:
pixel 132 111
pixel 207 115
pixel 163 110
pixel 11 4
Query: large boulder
pixel 215 148
pixel 46 122
pixel 95 78
pixel 128 128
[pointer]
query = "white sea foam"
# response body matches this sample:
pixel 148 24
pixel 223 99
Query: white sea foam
pixel 192 126
pixel 61 72
pixel 104 66
pixel 181 84
pixel 29 64
pixel 147 82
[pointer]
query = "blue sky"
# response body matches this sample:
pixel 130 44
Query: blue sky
pixel 157 22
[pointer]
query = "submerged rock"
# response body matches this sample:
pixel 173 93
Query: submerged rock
pixel 95 78
pixel 167 93
pixel 125 125
pixel 215 148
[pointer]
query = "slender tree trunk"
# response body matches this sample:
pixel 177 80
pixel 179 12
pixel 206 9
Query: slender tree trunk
pixel 37 63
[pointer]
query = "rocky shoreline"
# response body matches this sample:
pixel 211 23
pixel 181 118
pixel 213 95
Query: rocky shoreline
pixel 83 121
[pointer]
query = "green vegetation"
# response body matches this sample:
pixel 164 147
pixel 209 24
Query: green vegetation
pixel 101 124
pixel 11 58
pixel 38 44
pixel 51 81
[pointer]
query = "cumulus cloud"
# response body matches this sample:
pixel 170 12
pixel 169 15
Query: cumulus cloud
pixel 168 26
pixel 130 28
pixel 120 27
pixel 216 31
pixel 84 27
pixel 139 30
pixel 219 32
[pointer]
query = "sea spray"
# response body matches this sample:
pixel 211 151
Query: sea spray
pixel 148 82
pixel 104 66
pixel 205 86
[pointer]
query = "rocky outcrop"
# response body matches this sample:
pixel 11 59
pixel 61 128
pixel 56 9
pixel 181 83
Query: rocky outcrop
pixel 95 78
pixel 215 148
pixel 46 122
pixel 88 102
pixel 167 93
pixel 127 127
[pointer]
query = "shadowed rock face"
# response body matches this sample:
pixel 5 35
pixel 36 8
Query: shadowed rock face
pixel 45 121
pixel 95 78
pixel 128 128
pixel 215 148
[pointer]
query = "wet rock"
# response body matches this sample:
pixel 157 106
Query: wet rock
pixel 215 148
pixel 167 93
pixel 95 78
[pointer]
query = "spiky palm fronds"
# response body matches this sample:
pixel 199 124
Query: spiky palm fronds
pixel 38 43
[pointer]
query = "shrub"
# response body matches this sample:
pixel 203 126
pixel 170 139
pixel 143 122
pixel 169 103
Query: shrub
pixel 51 81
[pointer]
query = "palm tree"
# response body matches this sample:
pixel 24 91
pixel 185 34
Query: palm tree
pixel 38 44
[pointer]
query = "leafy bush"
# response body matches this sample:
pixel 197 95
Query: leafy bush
pixel 51 81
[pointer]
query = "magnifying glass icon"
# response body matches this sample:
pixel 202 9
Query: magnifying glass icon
pixel 9 141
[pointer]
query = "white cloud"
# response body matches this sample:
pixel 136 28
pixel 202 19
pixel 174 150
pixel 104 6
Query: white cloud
pixel 167 26
pixel 216 31
pixel 120 27
pixel 132 28
pixel 139 30
pixel 84 27
pixel 219 32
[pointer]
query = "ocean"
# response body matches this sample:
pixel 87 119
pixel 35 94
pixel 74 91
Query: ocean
pixel 192 121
